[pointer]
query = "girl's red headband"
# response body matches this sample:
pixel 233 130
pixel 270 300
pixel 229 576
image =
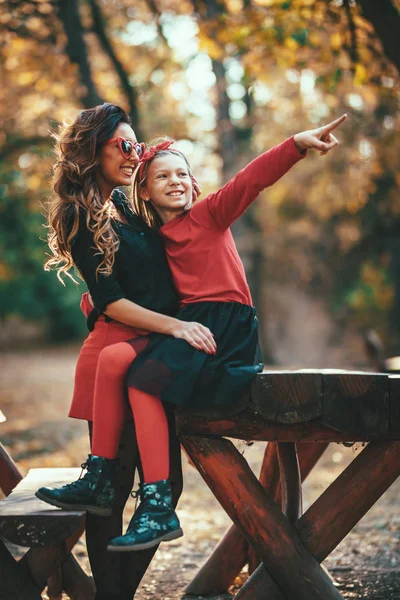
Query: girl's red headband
pixel 150 154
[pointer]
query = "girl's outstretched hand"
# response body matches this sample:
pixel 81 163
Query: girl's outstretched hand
pixel 320 139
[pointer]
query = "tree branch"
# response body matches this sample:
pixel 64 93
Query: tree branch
pixel 130 92
pixel 68 13
pixel 352 48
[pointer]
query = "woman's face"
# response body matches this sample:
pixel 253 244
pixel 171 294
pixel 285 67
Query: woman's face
pixel 113 168
pixel 168 186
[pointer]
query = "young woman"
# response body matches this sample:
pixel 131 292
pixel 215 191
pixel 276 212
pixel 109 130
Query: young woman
pixel 93 226
pixel 211 283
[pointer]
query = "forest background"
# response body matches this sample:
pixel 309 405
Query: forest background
pixel 228 79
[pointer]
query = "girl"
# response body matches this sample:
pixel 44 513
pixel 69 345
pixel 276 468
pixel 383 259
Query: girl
pixel 211 283
pixel 93 226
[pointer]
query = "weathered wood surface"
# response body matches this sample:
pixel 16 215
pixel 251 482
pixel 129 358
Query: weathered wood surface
pixel 233 551
pixel 290 478
pixel 235 486
pixel 325 405
pixel 27 521
pixel 336 511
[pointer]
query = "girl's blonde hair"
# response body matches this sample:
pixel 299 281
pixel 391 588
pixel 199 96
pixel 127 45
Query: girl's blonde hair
pixel 144 208
pixel 76 194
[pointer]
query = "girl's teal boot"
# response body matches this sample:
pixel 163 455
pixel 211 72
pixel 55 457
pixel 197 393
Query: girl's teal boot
pixel 94 492
pixel 154 521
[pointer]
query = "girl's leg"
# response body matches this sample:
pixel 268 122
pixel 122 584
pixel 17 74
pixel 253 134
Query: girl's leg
pixel 152 435
pixel 134 565
pixel 154 520
pixel 109 407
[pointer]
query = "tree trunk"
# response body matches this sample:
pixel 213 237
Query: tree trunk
pixel 385 18
pixel 68 13
pixel 129 90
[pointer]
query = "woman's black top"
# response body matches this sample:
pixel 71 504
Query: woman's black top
pixel 140 273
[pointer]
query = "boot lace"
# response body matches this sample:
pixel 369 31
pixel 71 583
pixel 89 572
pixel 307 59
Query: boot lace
pixel 80 482
pixel 136 494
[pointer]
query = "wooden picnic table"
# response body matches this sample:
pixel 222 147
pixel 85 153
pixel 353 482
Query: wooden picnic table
pixel 48 534
pixel 298 413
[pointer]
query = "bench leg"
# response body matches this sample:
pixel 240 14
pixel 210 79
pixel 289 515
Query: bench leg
pixel 233 551
pixel 360 485
pixel 276 541
pixel 292 500
pixel 15 578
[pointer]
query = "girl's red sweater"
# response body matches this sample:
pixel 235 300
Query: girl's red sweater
pixel 202 255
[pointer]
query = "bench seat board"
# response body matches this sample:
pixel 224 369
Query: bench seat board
pixel 27 521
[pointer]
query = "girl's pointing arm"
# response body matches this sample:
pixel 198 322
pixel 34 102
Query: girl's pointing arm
pixel 231 201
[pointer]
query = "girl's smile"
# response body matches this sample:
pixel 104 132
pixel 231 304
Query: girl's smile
pixel 168 186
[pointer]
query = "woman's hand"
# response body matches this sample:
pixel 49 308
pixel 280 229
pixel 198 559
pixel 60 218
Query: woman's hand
pixel 196 334
pixel 319 139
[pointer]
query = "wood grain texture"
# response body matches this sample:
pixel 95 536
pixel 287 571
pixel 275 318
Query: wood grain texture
pixel 290 478
pixel 288 396
pixel 235 486
pixel 337 510
pixel 251 427
pixel 356 403
pixel 232 551
pixel 27 521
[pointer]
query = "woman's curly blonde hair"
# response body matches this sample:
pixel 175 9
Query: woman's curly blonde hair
pixel 76 194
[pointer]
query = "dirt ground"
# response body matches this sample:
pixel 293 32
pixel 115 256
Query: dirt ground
pixel 35 391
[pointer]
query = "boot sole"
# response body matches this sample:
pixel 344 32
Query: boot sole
pixel 93 510
pixel 172 535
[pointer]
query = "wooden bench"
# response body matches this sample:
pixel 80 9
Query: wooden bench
pixel 298 413
pixel 48 533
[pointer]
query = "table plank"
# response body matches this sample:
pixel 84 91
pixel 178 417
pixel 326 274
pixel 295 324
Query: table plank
pixel 27 521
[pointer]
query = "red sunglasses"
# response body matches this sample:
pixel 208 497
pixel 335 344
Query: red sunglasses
pixel 127 148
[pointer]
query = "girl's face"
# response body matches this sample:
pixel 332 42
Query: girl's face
pixel 114 169
pixel 168 186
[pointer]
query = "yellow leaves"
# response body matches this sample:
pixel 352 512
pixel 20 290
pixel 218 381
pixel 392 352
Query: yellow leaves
pixel 213 49
pixel 291 43
pixel 41 85
pixel 360 75
pixel 373 291
pixel 315 39
pixel 17 44
pixel 336 41
pixel 26 78
pixel 33 182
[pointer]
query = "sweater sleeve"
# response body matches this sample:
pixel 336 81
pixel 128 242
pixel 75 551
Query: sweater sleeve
pixel 104 289
pixel 230 202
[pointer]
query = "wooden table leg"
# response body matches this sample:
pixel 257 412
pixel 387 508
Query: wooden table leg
pixel 292 500
pixel 276 541
pixel 233 551
pixel 337 510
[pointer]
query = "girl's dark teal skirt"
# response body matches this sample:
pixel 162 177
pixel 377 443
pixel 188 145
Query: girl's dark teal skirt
pixel 172 370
